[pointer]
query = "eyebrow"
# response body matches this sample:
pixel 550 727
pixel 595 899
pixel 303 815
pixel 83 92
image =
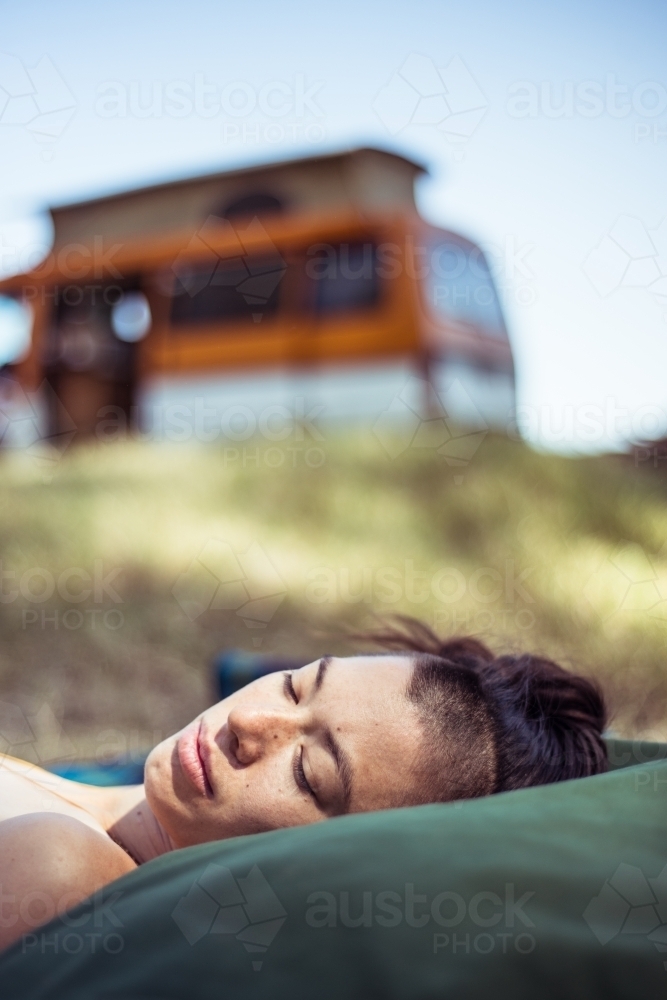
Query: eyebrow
pixel 341 759
pixel 322 668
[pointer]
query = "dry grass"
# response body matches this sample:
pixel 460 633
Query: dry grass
pixel 583 540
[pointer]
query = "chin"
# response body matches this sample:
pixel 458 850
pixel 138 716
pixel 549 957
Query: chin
pixel 159 779
pixel 169 796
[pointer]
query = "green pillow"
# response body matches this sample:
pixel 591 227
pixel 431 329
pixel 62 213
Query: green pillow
pixel 551 892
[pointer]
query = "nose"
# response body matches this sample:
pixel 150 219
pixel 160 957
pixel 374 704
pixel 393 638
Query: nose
pixel 259 730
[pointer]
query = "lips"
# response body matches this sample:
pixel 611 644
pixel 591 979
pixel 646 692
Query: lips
pixel 192 760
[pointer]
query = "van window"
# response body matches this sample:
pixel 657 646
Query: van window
pixel 229 289
pixel 459 287
pixel 342 276
pixel 324 279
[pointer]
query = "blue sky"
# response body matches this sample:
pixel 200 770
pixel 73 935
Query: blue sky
pixel 568 204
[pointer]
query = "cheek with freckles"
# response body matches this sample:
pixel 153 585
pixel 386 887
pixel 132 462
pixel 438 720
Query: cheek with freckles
pixel 254 799
pixel 262 797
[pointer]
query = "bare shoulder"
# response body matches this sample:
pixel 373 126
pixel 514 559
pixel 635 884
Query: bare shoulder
pixel 48 864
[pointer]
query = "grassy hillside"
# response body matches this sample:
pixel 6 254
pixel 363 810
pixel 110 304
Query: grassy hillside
pixel 110 616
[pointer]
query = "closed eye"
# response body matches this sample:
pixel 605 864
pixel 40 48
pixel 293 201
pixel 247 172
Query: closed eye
pixel 300 774
pixel 288 688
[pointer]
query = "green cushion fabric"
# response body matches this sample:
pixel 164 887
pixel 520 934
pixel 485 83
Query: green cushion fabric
pixel 551 892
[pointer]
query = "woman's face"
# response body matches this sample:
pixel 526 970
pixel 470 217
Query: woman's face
pixel 336 736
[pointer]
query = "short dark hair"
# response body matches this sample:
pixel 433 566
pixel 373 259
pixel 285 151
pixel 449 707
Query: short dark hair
pixel 494 724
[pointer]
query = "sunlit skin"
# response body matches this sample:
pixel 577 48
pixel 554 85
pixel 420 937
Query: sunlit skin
pixel 336 736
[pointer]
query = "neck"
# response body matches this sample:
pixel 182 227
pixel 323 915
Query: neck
pixel 130 822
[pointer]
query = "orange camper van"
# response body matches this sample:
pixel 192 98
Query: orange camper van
pixel 313 280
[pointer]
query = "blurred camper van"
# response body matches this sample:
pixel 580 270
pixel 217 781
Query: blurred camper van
pixel 231 304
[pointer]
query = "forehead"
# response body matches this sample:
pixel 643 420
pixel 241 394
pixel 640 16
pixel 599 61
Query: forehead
pixel 382 680
pixel 363 700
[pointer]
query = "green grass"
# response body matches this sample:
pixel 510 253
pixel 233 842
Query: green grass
pixel 561 556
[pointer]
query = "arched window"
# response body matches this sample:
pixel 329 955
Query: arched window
pixel 257 203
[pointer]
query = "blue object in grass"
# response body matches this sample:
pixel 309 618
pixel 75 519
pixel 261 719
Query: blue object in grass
pixel 234 668
pixel 92 772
